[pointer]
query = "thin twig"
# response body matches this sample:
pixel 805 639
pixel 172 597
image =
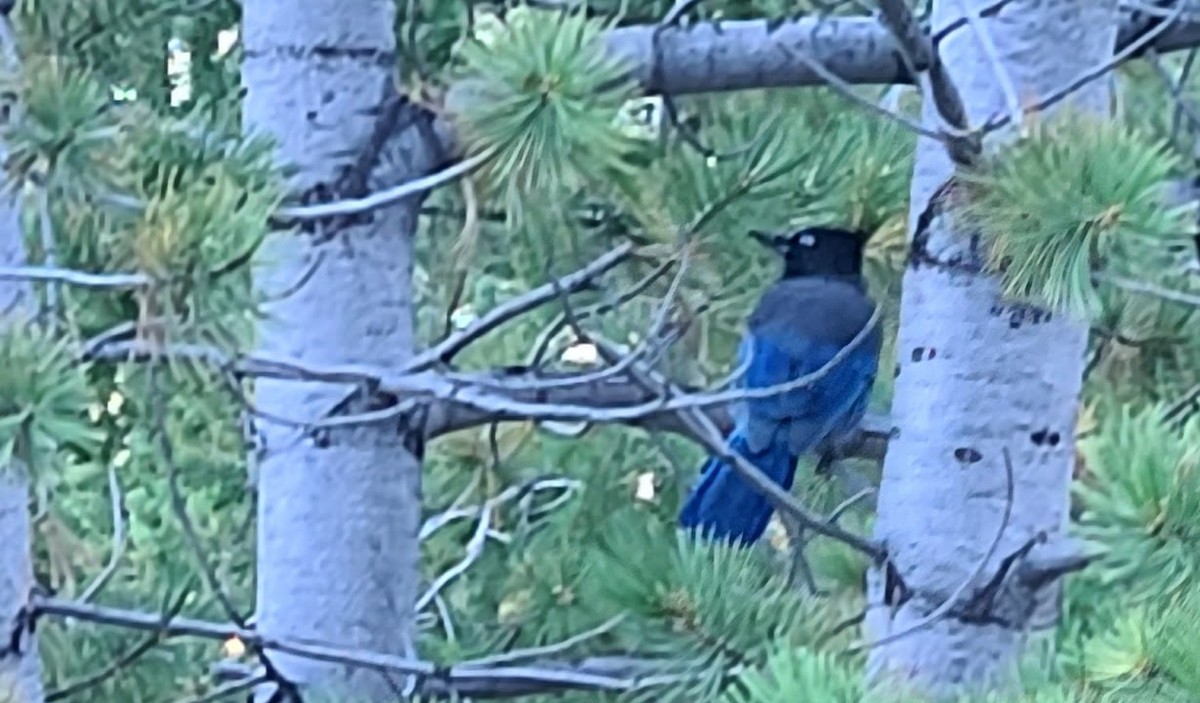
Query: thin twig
pixel 845 505
pixel 452 345
pixel 1150 289
pixel 386 197
pixel 844 89
pixel 1003 78
pixel 435 522
pixel 940 35
pixel 118 540
pixel 474 550
pixel 434 386
pixel 1138 45
pixel 228 689
pixel 50 274
pixel 123 661
pixel 548 649
pixel 179 503
pixel 946 606
pixel 919 51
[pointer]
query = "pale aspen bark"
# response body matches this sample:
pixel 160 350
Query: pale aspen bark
pixel 978 375
pixel 339 511
pixel 20 673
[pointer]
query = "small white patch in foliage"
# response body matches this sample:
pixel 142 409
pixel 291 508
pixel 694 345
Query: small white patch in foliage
pixel 583 354
pixel 645 486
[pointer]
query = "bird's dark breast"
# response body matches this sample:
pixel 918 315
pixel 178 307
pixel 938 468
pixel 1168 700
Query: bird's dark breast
pixel 828 311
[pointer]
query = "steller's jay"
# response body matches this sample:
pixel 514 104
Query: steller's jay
pixel 818 306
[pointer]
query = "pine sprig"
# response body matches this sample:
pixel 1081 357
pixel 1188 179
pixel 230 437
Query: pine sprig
pixel 1075 196
pixel 719 606
pixel 1172 647
pixel 1140 502
pixel 541 91
pixel 792 674
pixel 62 128
pixel 872 157
pixel 208 195
pixel 43 397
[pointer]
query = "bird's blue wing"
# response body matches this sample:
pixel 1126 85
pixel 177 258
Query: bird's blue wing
pixel 797 328
pixel 806 415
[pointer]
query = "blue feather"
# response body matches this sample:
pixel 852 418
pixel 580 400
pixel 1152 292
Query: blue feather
pixel 723 506
pixel 799 325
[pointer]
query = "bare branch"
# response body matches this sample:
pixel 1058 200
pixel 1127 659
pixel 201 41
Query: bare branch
pixel 383 198
pixel 475 547
pixel 457 405
pixel 549 649
pixel 51 274
pixel 445 350
pixel 711 57
pixel 479 681
pixel 916 44
pixel 1003 78
pixel 435 522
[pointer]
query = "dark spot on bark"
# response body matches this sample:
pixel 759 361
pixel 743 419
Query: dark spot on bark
pixel 327 97
pixel 967 455
pixel 1019 315
pixel 923 353
pixel 896 371
pixel 1046 437
pixel 311 115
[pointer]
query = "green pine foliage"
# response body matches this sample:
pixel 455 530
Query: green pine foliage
pixel 539 92
pixel 42 395
pixel 574 168
pixel 1139 501
pixel 1106 212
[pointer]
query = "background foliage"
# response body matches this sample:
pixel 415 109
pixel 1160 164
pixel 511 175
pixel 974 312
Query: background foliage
pixel 592 545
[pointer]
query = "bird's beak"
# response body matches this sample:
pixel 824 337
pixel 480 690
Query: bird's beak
pixel 772 241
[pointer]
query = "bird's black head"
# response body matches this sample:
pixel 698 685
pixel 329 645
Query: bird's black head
pixel 817 251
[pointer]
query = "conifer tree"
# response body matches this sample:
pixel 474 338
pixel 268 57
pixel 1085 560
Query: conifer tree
pixel 405 326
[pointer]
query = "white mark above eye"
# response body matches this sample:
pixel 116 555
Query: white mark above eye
pixel 807 240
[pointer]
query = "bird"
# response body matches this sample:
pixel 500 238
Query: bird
pixel 818 306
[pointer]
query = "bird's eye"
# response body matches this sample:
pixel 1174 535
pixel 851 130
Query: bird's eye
pixel 806 240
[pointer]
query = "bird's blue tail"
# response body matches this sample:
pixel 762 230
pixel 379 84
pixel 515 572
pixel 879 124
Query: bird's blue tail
pixel 723 506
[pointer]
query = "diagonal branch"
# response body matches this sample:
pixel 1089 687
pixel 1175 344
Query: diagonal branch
pixel 918 47
pixel 443 351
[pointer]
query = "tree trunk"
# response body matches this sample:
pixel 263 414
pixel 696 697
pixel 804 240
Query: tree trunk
pixel 978 375
pixel 339 510
pixel 21 672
